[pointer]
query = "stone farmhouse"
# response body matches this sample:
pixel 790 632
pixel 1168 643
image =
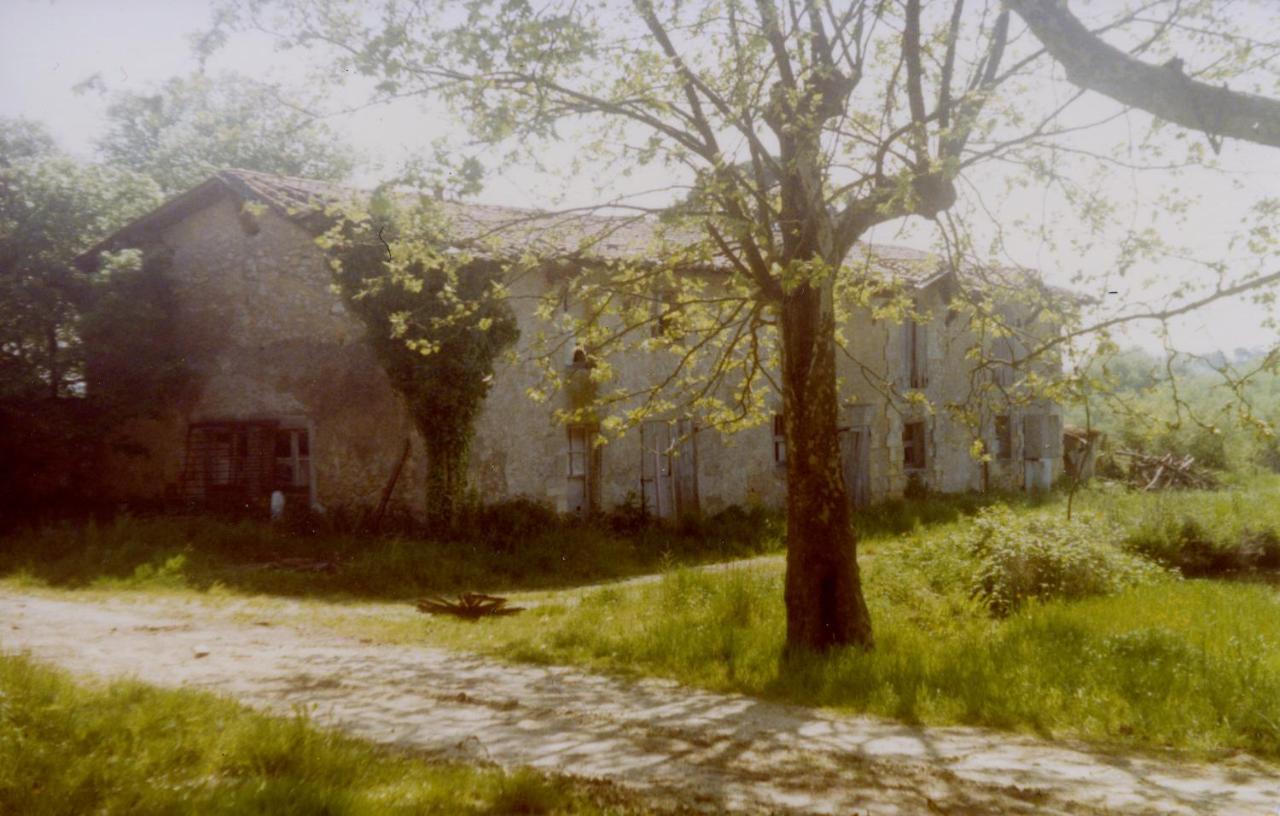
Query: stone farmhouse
pixel 288 398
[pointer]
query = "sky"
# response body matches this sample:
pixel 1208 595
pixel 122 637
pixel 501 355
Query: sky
pixel 48 46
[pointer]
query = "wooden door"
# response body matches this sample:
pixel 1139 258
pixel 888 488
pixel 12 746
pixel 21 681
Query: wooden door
pixel 855 454
pixel 686 468
pixel 656 482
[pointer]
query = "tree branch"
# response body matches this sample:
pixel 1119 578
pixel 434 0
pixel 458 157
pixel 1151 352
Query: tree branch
pixel 1163 90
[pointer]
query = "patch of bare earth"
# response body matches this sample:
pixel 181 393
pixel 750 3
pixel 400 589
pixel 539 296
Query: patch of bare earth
pixel 677 746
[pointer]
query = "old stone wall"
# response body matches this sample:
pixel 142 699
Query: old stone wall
pixel 271 340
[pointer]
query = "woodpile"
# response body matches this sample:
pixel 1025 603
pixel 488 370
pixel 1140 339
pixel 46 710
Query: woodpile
pixel 470 605
pixel 1170 471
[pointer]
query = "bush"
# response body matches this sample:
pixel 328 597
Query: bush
pixel 504 525
pixel 1206 540
pixel 1023 557
pixel 629 517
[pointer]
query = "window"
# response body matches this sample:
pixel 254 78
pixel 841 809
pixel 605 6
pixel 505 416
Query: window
pixel 915 357
pixel 1004 375
pixel 1004 372
pixel 222 456
pixel 913 446
pixel 779 440
pixel 293 459
pixel 579 451
pixel 1004 437
pixel 582 458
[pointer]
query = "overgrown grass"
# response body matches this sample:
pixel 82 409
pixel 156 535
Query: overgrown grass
pixel 1184 664
pixel 125 748
pixel 1201 532
pixel 1096 645
pixel 897 517
pixel 195 553
pixel 1152 661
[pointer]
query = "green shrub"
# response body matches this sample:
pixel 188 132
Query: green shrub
pixel 1002 559
pixel 503 547
pixel 505 525
pixel 1208 533
pixel 744 529
pixel 928 580
pixel 1021 557
pixel 629 517
pixel 1264 547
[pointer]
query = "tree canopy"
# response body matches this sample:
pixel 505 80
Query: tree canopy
pixel 52 208
pixel 191 127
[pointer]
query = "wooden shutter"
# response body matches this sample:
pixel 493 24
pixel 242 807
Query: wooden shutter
pixel 922 355
pixel 655 468
pixel 779 439
pixel 1033 436
pixel 1053 436
pixel 905 343
pixel 1004 437
pixel 913 446
pixel 686 467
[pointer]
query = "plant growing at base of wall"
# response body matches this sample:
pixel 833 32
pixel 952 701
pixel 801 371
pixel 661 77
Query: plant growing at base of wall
pixel 437 321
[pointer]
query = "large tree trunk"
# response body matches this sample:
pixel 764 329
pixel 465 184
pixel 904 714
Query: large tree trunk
pixel 446 486
pixel 825 606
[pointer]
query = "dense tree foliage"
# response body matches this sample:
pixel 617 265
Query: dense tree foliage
pixel 136 362
pixel 52 208
pixel 437 321
pixel 55 318
pixel 192 127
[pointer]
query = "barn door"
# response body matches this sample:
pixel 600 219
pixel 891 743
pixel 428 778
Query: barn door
pixel 855 455
pixel 686 467
pixel 656 482
pixel 229 464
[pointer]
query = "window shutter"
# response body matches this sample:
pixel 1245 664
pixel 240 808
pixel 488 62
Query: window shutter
pixel 1033 436
pixel 779 439
pixel 647 462
pixel 1004 437
pixel 1053 436
pixel 686 466
pixel 922 355
pixel 904 341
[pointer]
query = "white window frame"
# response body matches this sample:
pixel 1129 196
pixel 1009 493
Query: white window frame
pixel 920 444
pixel 779 440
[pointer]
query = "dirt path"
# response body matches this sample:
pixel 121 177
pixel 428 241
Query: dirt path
pixel 710 751
pixel 573 595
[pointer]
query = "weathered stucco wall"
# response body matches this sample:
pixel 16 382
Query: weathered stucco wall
pixel 272 341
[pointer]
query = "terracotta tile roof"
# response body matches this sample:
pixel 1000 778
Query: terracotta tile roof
pixel 574 232
pixel 499 229
pixel 511 230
